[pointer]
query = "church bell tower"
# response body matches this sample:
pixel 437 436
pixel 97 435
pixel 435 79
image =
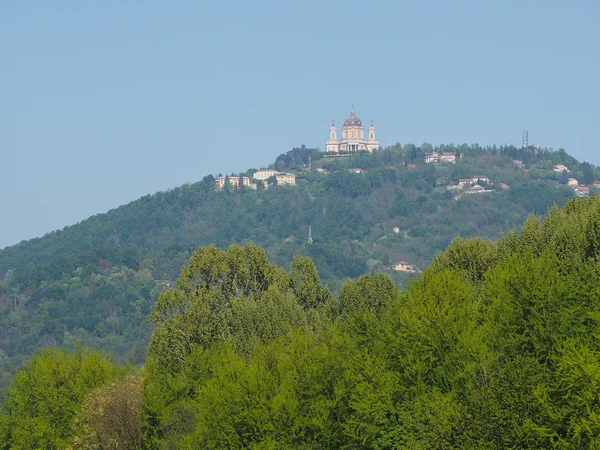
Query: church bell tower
pixel 332 143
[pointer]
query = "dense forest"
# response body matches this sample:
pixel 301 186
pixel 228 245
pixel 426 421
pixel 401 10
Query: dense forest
pixel 495 345
pixel 96 282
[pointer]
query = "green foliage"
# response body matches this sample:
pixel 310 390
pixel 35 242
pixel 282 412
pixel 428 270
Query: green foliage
pixel 47 393
pixel 95 282
pixel 496 345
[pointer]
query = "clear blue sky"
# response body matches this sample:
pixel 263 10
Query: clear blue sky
pixel 103 102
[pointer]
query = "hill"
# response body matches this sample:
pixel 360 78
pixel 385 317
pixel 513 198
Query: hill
pixel 95 282
pixel 494 346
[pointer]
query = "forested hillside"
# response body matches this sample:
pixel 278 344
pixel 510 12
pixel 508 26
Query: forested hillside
pixel 495 345
pixel 95 282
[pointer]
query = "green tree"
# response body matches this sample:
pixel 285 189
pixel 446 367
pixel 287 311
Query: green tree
pixel 47 393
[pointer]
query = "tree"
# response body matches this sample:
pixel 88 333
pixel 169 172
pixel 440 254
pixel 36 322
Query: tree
pixel 564 177
pixel 48 391
pixel 588 173
pixel 111 417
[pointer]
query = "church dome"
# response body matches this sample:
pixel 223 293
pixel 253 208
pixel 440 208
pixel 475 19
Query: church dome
pixel 352 120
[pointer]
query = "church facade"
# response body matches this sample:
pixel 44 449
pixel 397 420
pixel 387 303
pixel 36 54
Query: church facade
pixel 352 138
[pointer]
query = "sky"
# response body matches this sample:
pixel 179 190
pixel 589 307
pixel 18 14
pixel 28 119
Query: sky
pixel 104 102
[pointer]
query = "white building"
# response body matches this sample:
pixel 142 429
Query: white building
pixel 234 181
pixel 264 174
pixel 431 157
pixel 560 168
pixel 448 157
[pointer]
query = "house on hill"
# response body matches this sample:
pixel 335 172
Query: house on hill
pixel 448 157
pixel 403 266
pixel 478 178
pixel 582 191
pixel 285 178
pixel 560 168
pixel 234 181
pixel 477 189
pixel 355 170
pixel 264 174
pixel 573 182
pixel 431 157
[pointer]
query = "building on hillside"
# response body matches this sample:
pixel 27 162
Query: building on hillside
pixel 581 191
pixel 234 181
pixel 504 186
pixel 560 168
pixel 323 171
pixel 352 136
pixel 432 157
pixel 478 178
pixel 355 170
pixel 396 230
pixel 465 182
pixel 597 184
pixel 573 182
pixel 403 266
pixel 518 163
pixel 264 174
pixel 285 178
pixel 476 189
pixel 448 157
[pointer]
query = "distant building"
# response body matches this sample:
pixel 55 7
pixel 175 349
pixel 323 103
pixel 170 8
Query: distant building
pixel 504 186
pixel 581 191
pixel 264 174
pixel 323 171
pixel 163 283
pixel 464 182
pixel 403 266
pixel 478 178
pixel 285 178
pixel 352 136
pixel 234 181
pixel 431 157
pixel 518 163
pixel 396 230
pixel 597 184
pixel 477 189
pixel 560 168
pixel 355 170
pixel 573 182
pixel 448 157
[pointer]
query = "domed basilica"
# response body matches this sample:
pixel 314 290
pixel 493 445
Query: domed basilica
pixel 352 136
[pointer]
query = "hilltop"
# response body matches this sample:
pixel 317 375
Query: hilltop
pixel 95 282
